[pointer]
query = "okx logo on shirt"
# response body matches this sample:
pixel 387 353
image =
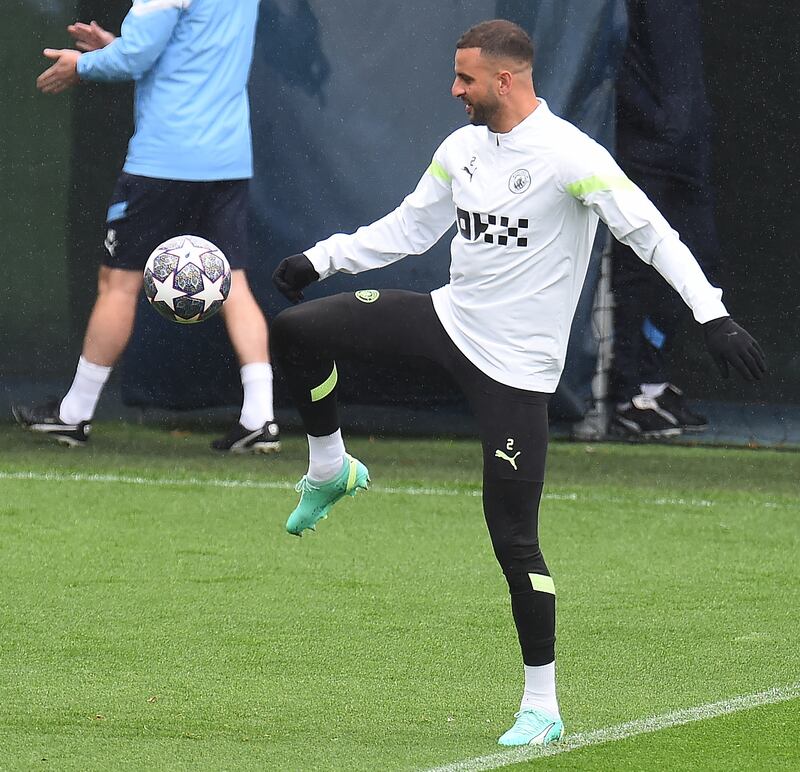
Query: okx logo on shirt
pixel 492 228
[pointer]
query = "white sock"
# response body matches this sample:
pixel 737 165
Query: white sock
pixel 257 402
pixel 540 689
pixel 81 399
pixel 325 456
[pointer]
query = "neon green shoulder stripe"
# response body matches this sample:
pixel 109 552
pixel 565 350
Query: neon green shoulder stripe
pixel 592 184
pixel 438 171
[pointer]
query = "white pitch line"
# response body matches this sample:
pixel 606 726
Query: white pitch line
pixel 133 480
pixel 198 482
pixel 623 731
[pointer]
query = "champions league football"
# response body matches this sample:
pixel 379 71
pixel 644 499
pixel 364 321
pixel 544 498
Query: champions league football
pixel 187 279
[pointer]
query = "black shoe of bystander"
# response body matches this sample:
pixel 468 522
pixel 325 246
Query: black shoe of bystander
pixel 241 440
pixel 671 400
pixel 44 419
pixel 644 418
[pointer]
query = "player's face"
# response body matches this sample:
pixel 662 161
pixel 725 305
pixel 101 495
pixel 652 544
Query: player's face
pixel 475 85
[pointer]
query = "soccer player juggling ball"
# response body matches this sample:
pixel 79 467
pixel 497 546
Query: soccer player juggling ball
pixel 526 190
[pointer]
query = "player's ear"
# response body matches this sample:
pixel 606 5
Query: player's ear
pixel 504 80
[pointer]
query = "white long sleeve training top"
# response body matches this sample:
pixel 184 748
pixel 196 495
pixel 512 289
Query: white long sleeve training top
pixel 526 204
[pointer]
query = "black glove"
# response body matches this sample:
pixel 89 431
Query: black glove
pixel 731 344
pixel 292 275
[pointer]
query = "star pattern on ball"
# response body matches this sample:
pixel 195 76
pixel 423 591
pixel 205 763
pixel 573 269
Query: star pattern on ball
pixel 211 292
pixel 187 279
pixel 185 253
pixel 166 292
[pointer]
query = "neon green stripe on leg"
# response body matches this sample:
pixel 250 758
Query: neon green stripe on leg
pixel 542 583
pixel 326 387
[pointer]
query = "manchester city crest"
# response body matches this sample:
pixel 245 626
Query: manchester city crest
pixel 519 181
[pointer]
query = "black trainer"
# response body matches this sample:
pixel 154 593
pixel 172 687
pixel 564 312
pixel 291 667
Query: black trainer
pixel 644 418
pixel 241 440
pixel 44 419
pixel 671 400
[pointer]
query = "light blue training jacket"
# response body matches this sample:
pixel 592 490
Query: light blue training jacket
pixel 190 60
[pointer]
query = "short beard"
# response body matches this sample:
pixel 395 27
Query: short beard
pixel 482 115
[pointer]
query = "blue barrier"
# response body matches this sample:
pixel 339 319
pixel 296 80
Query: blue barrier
pixel 348 103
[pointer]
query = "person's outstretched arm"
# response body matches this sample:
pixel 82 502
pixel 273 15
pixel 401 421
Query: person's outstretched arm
pixel 596 180
pixel 146 30
pixel 411 229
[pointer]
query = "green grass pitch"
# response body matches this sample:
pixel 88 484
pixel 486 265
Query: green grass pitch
pixel 154 614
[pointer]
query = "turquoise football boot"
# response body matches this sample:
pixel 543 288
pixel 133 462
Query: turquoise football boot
pixel 533 727
pixel 316 499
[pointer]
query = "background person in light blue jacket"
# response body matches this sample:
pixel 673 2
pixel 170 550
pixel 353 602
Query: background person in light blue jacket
pixel 187 170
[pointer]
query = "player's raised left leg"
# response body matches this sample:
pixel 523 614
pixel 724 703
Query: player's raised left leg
pixel 304 340
pixel 317 497
pixel 307 341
